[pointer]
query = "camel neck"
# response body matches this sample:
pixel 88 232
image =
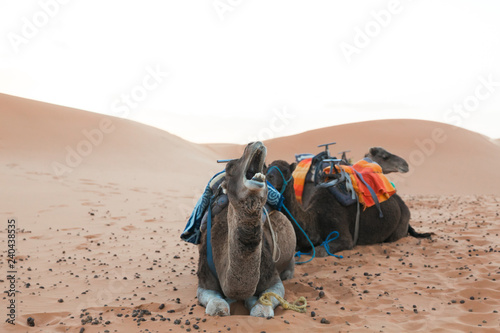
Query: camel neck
pixel 244 251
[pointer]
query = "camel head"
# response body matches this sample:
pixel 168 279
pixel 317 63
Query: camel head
pixel 245 182
pixel 389 162
pixel 277 178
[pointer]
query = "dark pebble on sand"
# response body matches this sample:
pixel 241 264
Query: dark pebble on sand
pixel 162 306
pixel 82 329
pixel 196 327
pixel 324 321
pixel 31 322
pixel 60 300
pixel 462 301
pixel 177 322
pixel 321 294
pixel 313 314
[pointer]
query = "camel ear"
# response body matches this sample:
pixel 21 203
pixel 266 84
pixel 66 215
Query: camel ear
pixel 374 150
pixel 293 166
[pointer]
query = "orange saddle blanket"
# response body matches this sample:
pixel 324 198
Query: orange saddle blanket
pixel 299 177
pixel 364 174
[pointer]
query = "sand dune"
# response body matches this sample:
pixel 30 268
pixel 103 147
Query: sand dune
pixel 98 246
pixel 443 159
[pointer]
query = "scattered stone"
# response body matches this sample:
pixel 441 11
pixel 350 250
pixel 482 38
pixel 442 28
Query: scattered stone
pixel 31 322
pixel 325 321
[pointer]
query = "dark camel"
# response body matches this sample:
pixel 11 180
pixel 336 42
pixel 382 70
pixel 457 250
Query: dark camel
pixel 243 244
pixel 387 161
pixel 325 214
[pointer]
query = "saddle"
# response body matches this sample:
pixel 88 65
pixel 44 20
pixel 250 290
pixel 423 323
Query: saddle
pixel 313 167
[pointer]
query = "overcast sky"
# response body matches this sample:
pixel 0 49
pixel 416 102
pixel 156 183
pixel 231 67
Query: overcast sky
pixel 235 71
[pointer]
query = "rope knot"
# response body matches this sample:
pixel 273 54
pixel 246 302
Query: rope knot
pixel 265 299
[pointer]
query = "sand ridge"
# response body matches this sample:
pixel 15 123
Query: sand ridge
pixel 99 247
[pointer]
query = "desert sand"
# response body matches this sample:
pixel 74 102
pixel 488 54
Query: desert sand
pixel 98 244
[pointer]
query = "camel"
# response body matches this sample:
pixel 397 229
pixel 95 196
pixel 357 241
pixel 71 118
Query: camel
pixel 389 163
pixel 325 214
pixel 243 244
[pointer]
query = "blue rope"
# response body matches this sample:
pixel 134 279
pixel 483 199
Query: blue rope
pixel 285 182
pixel 210 258
pixel 307 237
pixel 327 240
pixel 325 244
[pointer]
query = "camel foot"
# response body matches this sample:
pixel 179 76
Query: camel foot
pixel 260 310
pixel 217 307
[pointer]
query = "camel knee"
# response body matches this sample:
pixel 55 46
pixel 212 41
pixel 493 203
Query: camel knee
pixel 288 272
pixel 321 251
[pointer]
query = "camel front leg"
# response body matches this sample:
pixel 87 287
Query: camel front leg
pixel 213 301
pixel 266 311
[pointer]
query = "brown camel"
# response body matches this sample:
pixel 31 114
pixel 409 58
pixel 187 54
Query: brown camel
pixel 387 161
pixel 325 214
pixel 250 258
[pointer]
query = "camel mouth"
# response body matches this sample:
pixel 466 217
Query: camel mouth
pixel 403 169
pixel 254 174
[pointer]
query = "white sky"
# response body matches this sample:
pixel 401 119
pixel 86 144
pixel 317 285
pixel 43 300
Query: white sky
pixel 263 58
